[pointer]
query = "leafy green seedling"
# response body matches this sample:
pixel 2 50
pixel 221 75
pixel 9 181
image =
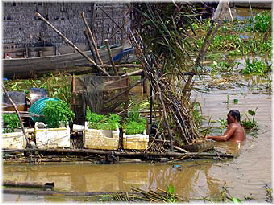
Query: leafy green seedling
pixel 102 122
pixel 11 122
pixel 57 112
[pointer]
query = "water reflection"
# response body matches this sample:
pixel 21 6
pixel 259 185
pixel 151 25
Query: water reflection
pixel 192 179
pixel 229 147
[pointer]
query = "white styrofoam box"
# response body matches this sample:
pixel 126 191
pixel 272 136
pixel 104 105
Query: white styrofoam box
pixel 52 137
pixel 138 141
pixel 101 139
pixel 13 140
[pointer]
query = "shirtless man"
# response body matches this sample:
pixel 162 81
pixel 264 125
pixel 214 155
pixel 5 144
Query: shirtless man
pixel 234 132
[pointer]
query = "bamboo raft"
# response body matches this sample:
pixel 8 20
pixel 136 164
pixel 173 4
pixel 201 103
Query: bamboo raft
pixel 109 157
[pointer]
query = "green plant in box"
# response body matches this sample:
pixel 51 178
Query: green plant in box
pixel 57 112
pixel 11 122
pixel 133 128
pixel 135 124
pixel 102 122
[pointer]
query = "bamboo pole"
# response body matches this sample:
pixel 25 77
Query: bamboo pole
pixel 72 45
pixel 92 38
pixel 18 114
pixel 110 57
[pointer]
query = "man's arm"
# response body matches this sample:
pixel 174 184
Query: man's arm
pixel 228 134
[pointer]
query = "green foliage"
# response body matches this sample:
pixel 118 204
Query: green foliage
pixel 261 22
pixel 93 117
pixel 171 198
pixel 255 67
pixel 57 86
pixel 225 42
pixel 196 113
pixel 135 124
pixel 222 122
pixel 133 128
pixel 56 112
pixel 256 46
pixel 102 122
pixel 223 66
pixel 235 101
pixel 249 121
pixel 11 122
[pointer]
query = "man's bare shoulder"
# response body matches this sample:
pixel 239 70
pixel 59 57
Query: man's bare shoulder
pixel 234 125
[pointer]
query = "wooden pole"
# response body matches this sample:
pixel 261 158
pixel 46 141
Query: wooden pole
pixel 72 45
pixel 73 88
pixel 128 153
pixel 110 57
pixel 90 46
pixel 137 72
pixel 92 38
pixel 60 193
pixel 18 114
pixel 28 185
pixel 150 106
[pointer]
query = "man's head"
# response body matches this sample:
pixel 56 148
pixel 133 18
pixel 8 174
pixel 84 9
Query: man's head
pixel 233 116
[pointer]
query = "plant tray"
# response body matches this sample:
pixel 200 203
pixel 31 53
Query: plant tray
pixel 13 140
pixel 52 137
pixel 138 142
pixel 101 139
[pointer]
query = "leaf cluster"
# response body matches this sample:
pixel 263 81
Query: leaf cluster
pixel 255 67
pixel 102 122
pixel 56 112
pixel 135 124
pixel 11 122
pixel 261 22
pixel 171 195
pixel 249 122
pixel 57 86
